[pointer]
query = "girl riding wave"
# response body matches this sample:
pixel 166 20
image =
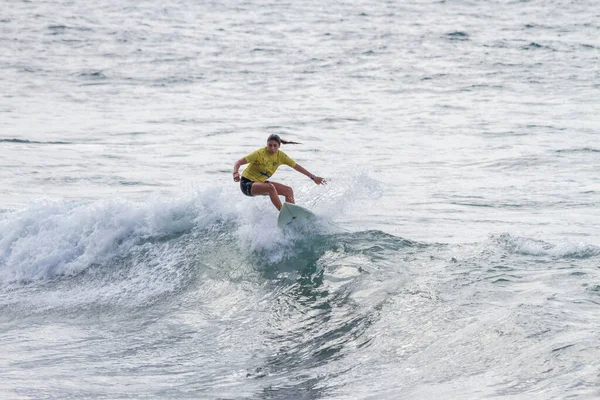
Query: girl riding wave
pixel 263 164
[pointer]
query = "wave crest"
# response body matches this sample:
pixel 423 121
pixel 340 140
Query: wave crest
pixel 534 247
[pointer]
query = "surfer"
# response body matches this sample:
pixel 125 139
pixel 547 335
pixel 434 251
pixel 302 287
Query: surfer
pixel 263 164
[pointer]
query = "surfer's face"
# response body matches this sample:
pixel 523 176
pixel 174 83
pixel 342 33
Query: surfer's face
pixel 272 146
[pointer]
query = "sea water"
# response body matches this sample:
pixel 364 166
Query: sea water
pixel 457 249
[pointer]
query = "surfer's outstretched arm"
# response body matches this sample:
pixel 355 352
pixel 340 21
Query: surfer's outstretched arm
pixel 317 179
pixel 236 168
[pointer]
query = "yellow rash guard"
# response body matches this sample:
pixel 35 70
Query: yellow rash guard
pixel 264 164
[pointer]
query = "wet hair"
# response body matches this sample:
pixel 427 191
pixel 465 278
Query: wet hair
pixel 279 140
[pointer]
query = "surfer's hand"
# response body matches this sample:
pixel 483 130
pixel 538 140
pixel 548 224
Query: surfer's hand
pixel 236 176
pixel 319 181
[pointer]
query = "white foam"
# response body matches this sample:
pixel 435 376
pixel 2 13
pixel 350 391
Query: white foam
pixel 62 238
pixel 54 237
pixel 564 249
pixel 344 193
pixel 57 237
pixel 257 230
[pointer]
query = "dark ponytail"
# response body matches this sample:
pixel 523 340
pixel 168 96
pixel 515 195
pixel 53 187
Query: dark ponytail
pixel 280 140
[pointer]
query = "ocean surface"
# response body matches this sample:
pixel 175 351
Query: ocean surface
pixel 456 252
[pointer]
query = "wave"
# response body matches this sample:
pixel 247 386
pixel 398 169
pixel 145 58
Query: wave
pixel 56 237
pixel 24 141
pixel 61 238
pixel 534 247
pixel 579 150
pixel 58 255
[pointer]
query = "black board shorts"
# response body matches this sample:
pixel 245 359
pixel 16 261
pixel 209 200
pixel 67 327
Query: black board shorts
pixel 246 186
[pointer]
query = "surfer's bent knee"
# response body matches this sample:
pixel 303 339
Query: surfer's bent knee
pixel 246 186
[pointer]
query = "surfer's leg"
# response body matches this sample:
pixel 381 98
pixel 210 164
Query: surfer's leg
pixel 284 190
pixel 259 188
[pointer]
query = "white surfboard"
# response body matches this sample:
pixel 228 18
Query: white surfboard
pixel 292 215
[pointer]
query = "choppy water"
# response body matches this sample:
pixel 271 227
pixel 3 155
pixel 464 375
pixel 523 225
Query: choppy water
pixel 457 250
